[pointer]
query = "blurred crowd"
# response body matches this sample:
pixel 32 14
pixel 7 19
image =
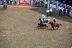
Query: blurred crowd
pixel 64 11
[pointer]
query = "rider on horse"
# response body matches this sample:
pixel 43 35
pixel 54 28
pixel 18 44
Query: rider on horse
pixel 43 18
pixel 54 21
pixel 43 21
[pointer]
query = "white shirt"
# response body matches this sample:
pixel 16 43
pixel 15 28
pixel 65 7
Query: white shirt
pixel 59 8
pixel 71 12
pixel 51 10
pixel 47 11
pixel 62 8
pixel 43 18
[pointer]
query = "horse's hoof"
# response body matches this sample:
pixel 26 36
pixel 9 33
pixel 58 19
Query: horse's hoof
pixel 57 28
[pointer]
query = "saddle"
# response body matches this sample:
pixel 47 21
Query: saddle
pixel 45 21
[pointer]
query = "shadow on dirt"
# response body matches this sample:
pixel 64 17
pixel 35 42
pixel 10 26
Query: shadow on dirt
pixel 38 27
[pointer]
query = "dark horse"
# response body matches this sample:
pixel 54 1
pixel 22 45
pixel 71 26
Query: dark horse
pixel 42 24
pixel 52 24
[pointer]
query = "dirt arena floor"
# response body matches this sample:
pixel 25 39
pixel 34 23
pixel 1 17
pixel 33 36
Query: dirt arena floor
pixel 18 29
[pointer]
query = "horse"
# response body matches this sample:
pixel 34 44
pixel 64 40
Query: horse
pixel 42 24
pixel 52 24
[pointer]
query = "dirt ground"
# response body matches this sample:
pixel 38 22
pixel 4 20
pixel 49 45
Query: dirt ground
pixel 18 29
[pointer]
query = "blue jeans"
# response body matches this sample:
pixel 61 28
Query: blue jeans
pixel 4 6
pixel 42 4
pixel 45 5
pixel 60 13
pixel 2 2
pixel 50 13
pixel 38 4
pixel 15 2
pixel 10 2
pixel 67 13
pixel 64 13
pixel 35 3
pixel 54 23
pixel 7 2
pixel 47 14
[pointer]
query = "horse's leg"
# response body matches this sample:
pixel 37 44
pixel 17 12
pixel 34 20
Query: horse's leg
pixel 53 27
pixel 46 26
pixel 40 25
pixel 57 27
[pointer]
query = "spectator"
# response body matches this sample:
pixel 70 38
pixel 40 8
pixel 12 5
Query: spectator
pixel 36 2
pixel 47 12
pixel 42 3
pixel 10 2
pixel 68 11
pixel 5 5
pixel 51 11
pixel 64 11
pixel 46 4
pixel 7 1
pixel 60 11
pixel 39 3
pixel 15 2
